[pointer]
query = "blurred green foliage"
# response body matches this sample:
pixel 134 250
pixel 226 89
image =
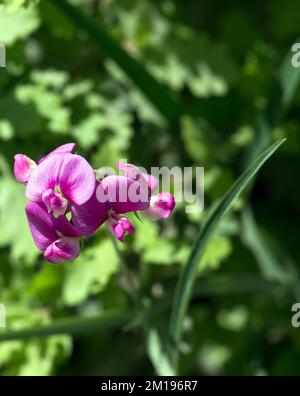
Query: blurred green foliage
pixel 222 64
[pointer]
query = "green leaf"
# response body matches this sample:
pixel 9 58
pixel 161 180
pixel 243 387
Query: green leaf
pixel 39 359
pixel 14 5
pixel 186 280
pixel 48 104
pixel 14 26
pixel 150 245
pixel 90 273
pixel 13 221
pixel 218 249
pixel 157 355
pixel 212 357
pixel 8 350
pixel 152 89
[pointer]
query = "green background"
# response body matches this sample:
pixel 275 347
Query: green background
pixel 204 83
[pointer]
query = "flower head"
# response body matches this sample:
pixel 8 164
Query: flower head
pixel 62 182
pixel 120 226
pixel 161 206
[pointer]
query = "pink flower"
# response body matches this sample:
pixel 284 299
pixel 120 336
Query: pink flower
pixel 23 168
pixel 61 180
pixel 162 204
pixel 120 226
pixel 58 238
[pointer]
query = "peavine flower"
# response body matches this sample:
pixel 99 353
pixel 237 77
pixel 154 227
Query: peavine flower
pixel 161 206
pixel 58 180
pixel 57 238
pixel 61 180
pixel 120 226
pixel 24 166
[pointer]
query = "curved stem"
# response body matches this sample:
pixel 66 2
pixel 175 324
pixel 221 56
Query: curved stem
pixel 131 288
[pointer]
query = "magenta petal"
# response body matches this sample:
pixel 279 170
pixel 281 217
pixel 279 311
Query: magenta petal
pixel 64 249
pixel 117 230
pixel 66 228
pixel 41 225
pixel 64 149
pixel 87 218
pixel 55 203
pixel 161 206
pixel 127 226
pixel 76 179
pixel 45 177
pixel 45 229
pixel 23 168
pixel 124 194
pixel 70 173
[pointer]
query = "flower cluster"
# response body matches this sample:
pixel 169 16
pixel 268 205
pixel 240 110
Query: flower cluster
pixel 67 201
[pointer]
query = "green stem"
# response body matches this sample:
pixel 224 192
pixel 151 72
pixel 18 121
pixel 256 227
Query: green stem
pixel 219 285
pixel 131 288
pixel 71 326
